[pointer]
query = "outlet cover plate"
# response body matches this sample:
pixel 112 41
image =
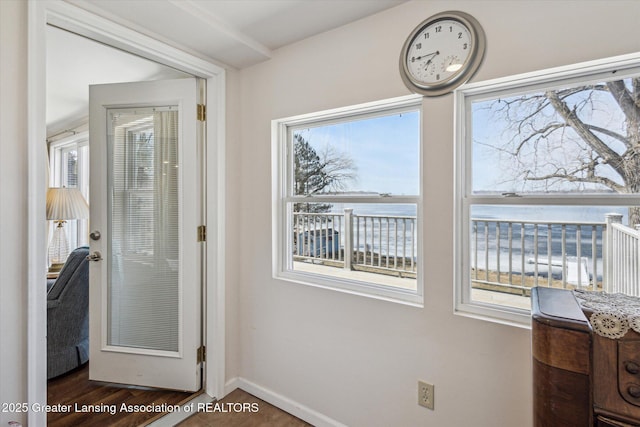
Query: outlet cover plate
pixel 425 394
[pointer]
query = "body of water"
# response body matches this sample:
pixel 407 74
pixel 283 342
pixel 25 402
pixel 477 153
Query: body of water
pixel 386 229
pixel 523 255
pixel 491 252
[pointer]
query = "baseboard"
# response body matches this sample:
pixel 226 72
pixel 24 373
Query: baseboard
pixel 230 385
pixel 289 405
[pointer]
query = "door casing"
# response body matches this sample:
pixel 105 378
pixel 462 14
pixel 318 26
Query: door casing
pixel 83 23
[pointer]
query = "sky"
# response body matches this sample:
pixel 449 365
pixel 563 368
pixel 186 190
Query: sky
pixel 385 151
pixel 496 170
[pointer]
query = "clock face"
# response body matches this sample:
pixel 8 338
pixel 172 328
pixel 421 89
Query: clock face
pixel 439 51
pixel 442 53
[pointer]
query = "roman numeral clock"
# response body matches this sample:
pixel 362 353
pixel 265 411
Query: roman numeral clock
pixel 442 53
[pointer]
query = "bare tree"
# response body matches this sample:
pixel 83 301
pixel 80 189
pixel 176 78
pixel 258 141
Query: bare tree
pixel 316 173
pixel 587 137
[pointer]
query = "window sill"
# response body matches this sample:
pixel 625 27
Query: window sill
pixel 353 287
pixel 493 313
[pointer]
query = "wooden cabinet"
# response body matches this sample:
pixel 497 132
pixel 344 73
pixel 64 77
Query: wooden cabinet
pixel 580 378
pixel 561 346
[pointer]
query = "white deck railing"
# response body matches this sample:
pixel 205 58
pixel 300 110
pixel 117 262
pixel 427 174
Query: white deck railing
pixel 519 254
pixel 623 258
pixel 378 243
pixel 506 255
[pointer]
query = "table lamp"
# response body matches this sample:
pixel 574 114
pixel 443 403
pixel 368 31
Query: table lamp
pixel 63 204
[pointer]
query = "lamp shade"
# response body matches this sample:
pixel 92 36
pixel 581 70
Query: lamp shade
pixel 66 203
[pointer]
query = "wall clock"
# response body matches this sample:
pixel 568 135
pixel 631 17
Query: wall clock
pixel 442 53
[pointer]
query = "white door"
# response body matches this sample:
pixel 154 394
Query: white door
pixel 145 281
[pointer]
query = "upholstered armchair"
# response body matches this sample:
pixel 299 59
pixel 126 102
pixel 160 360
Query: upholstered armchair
pixel 68 315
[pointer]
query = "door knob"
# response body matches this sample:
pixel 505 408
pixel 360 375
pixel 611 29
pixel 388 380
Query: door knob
pixel 95 235
pixel 96 256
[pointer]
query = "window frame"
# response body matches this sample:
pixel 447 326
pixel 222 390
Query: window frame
pixel 78 141
pixel 623 66
pixel 282 131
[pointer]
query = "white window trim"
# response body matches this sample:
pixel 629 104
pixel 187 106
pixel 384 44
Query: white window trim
pixel 622 66
pixel 76 141
pixel 56 148
pixel 281 129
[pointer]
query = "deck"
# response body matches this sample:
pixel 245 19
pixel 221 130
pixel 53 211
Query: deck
pixel 361 276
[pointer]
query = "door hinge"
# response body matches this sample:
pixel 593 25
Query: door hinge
pixel 202 112
pixel 202 233
pixel 201 354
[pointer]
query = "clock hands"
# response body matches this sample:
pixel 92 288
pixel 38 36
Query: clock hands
pixel 432 55
pixel 426 55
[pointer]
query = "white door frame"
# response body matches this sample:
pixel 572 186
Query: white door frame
pixel 72 18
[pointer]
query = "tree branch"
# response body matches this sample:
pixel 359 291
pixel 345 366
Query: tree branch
pixel 635 84
pixel 573 177
pixel 624 100
pixel 610 156
pixel 542 133
pixel 609 133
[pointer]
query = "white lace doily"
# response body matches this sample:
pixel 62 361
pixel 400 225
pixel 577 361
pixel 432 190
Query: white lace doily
pixel 614 314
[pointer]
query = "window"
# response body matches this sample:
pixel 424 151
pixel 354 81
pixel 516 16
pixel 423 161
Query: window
pixel 347 199
pixel 547 168
pixel 69 167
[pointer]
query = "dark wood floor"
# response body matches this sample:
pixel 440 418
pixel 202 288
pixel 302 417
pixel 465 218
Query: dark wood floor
pixel 238 409
pixel 75 388
pixel 230 413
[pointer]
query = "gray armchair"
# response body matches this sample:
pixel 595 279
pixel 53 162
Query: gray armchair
pixel 68 315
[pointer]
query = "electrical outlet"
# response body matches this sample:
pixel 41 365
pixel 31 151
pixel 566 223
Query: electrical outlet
pixel 425 394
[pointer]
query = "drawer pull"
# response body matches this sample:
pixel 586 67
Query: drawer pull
pixel 632 367
pixel 634 391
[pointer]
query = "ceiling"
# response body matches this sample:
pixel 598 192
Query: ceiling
pixel 238 33
pixel 70 72
pixel 234 33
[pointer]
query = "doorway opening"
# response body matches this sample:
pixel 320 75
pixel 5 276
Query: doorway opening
pixel 42 15
pixel 69 76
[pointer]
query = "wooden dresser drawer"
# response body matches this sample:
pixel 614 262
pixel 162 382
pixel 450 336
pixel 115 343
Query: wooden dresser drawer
pixel 608 422
pixel 616 377
pixel 580 378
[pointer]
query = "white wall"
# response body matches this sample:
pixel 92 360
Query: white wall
pixel 354 359
pixel 13 205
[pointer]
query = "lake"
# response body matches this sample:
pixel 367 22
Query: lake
pixel 488 253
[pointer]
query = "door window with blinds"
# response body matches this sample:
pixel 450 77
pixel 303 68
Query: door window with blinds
pixel 144 222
